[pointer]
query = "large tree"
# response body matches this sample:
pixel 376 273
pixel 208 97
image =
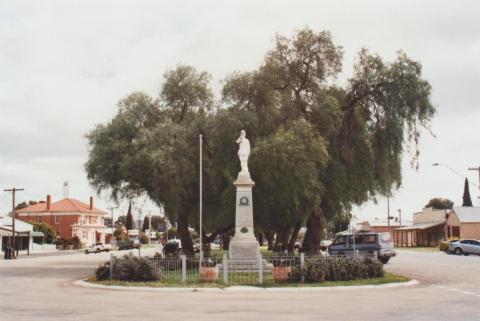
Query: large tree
pixel 318 148
pixel 48 231
pixel 439 203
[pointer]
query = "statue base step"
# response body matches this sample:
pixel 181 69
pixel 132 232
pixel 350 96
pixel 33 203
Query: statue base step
pixel 246 266
pixel 244 249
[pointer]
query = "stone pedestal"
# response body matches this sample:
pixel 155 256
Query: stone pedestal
pixel 244 248
pixel 244 245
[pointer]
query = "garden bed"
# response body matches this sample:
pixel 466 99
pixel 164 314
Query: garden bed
pixel 268 282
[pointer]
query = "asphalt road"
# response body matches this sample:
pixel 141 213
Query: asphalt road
pixel 41 289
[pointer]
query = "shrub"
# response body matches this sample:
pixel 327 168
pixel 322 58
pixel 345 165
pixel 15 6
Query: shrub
pixel 143 238
pixel 128 268
pixel 120 234
pixel 103 272
pixel 75 241
pixel 341 269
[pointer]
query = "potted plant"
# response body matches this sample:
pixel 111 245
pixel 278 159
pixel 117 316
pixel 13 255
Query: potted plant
pixel 281 271
pixel 208 271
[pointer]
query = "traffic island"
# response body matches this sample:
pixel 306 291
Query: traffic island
pixel 389 280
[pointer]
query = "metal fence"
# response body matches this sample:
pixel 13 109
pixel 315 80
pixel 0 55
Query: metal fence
pixel 266 270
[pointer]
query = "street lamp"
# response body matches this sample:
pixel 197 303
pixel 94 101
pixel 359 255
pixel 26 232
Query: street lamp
pixel 455 172
pixel 462 176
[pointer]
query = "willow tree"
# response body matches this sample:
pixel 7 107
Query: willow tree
pixel 318 148
pixel 365 125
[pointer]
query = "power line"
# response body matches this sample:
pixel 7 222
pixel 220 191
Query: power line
pixel 457 173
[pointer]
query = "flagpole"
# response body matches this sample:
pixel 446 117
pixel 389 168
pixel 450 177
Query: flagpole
pixel 200 232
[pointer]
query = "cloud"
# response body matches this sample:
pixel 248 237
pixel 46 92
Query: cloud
pixel 65 65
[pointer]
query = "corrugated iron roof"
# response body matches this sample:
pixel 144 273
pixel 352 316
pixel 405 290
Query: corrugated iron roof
pixel 419 226
pixel 468 214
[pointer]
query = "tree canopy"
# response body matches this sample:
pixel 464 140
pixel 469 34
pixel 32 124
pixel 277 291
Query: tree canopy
pixel 318 148
pixel 48 231
pixel 439 203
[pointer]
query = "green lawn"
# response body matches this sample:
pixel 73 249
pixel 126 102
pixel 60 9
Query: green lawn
pixel 252 279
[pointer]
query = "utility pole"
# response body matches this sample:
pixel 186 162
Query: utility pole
pixel 388 210
pixel 13 190
pixel 111 208
pixel 476 169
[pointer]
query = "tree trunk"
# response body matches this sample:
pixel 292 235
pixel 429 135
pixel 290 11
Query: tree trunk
pixel 226 241
pixel 184 233
pixel 293 237
pixel 270 237
pixel 313 235
pixel 281 241
pixel 259 237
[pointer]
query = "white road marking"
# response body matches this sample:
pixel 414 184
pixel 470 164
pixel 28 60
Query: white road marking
pixel 456 290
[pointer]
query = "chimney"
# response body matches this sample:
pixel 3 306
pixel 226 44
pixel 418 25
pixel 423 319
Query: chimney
pixel 91 203
pixel 49 202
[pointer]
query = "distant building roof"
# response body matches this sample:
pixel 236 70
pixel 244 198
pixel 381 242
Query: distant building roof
pixel 419 226
pixel 468 214
pixel 64 205
pixel 20 226
pixel 384 222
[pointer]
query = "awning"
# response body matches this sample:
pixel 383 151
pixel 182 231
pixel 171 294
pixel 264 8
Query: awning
pixel 419 226
pixel 37 234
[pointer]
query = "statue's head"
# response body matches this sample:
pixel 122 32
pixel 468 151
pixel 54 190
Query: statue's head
pixel 242 133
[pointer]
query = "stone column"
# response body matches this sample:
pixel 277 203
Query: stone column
pixel 244 245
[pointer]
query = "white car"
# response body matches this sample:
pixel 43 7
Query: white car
pixel 98 247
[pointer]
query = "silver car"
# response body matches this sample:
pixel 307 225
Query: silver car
pixel 465 247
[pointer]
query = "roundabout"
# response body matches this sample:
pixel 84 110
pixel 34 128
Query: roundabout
pixel 46 288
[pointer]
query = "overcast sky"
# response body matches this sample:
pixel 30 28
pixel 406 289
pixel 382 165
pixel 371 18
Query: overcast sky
pixel 65 64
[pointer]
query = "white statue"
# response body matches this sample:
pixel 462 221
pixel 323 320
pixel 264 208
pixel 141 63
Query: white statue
pixel 243 151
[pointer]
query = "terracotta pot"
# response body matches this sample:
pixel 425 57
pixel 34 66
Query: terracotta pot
pixel 208 274
pixel 281 273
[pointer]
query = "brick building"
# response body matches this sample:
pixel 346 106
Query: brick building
pixel 428 229
pixel 69 217
pixel 464 223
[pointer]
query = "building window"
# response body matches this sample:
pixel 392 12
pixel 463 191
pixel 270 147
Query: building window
pixel 456 231
pixel 57 219
pixel 84 220
pixel 39 219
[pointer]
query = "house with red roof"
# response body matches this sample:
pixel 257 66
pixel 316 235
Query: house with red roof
pixel 69 217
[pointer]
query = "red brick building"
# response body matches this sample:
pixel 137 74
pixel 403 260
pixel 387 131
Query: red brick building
pixel 69 217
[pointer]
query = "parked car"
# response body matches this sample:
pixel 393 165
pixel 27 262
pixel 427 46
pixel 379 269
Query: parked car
pixel 465 247
pixel 128 245
pixel 380 244
pixel 177 241
pixel 444 245
pixel 98 247
pixel 325 244
pixel 216 244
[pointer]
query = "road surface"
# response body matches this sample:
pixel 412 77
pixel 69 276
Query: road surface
pixel 41 289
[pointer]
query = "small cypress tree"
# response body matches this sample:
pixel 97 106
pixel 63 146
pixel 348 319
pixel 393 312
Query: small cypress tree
pixel 467 200
pixel 145 224
pixel 129 224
